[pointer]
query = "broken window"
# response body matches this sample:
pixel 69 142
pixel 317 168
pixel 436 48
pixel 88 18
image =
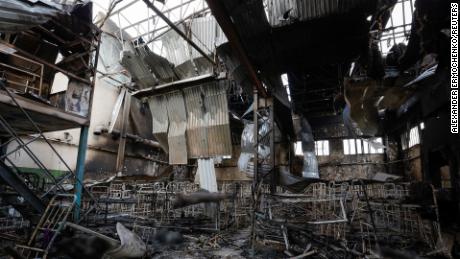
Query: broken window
pixel 398 27
pixel 285 81
pixel 298 148
pixel 414 137
pixel 362 146
pixel 60 83
pixel 411 139
pixel 321 148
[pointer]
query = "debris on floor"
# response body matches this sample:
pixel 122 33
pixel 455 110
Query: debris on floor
pixel 229 129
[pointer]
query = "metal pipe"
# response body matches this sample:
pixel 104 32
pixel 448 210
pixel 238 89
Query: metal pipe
pixel 174 27
pixel 80 170
pixel 148 142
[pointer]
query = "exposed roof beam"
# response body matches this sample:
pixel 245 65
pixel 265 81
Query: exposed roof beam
pixel 225 22
pixel 153 16
pixel 174 27
pixel 166 26
pixel 122 8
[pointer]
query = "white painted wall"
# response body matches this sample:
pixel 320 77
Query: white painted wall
pixel 45 155
pixel 66 142
pixel 105 96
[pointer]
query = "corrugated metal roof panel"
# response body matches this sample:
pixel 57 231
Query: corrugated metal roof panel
pixel 177 125
pixel 206 34
pixel 208 127
pixel 176 48
pixel 21 15
pixel 138 69
pixel 303 10
pixel 158 107
pixel 109 55
pixel 159 66
pixel 200 66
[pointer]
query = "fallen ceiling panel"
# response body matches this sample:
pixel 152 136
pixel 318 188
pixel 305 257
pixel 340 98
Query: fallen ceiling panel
pixel 139 71
pixel 159 65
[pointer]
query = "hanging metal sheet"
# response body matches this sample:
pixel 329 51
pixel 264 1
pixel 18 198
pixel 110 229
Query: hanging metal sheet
pixel 207 174
pixel 207 34
pixel 208 127
pixel 159 65
pixel 177 125
pixel 109 54
pixel 139 71
pixel 158 107
pixel 175 47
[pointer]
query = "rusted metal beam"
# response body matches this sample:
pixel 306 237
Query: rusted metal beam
pixel 174 27
pixel 219 12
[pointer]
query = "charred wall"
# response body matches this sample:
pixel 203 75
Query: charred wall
pixel 338 166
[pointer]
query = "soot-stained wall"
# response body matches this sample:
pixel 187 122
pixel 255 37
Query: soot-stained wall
pixel 338 166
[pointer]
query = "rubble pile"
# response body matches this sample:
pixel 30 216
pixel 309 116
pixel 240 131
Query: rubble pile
pixel 350 219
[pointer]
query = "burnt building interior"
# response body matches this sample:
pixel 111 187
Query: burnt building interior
pixel 227 129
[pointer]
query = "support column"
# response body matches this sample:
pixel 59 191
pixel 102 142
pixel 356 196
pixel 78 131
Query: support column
pixel 83 142
pixel 123 132
pixel 256 173
pixel 272 149
pixel 80 170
